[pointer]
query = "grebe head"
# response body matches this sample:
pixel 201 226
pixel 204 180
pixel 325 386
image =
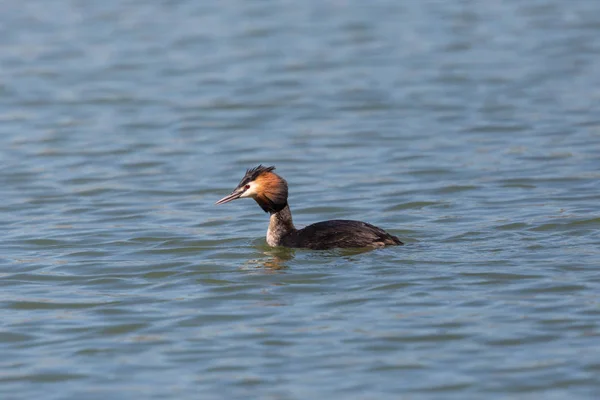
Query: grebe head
pixel 267 188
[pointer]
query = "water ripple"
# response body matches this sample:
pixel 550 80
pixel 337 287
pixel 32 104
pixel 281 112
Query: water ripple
pixel 469 132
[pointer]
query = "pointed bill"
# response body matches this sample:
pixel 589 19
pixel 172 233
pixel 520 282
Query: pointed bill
pixel 233 196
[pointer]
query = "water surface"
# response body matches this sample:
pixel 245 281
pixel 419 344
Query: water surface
pixel 468 129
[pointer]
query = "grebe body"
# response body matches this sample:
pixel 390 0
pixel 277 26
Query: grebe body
pixel 270 191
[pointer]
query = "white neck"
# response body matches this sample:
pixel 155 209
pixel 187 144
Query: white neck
pixel 280 225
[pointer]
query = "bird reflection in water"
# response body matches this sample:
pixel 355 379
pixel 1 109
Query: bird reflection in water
pixel 278 258
pixel 275 259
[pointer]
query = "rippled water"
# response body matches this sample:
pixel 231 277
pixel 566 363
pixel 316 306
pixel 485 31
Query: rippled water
pixel 468 129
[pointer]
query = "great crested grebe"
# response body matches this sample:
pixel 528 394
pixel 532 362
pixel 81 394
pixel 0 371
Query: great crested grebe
pixel 270 191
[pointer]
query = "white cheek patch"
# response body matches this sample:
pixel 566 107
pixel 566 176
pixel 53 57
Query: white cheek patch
pixel 250 192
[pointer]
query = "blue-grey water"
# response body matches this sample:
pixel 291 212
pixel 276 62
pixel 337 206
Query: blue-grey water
pixel 470 129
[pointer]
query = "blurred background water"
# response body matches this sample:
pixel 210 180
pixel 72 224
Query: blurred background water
pixel 470 129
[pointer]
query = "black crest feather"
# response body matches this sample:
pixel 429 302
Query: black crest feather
pixel 253 173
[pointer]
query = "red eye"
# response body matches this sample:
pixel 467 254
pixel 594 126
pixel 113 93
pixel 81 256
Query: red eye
pixel 247 187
